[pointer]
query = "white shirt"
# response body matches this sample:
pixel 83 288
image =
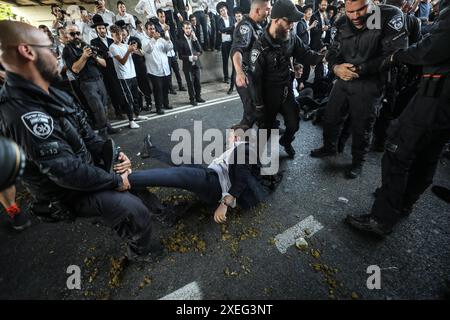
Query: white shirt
pixel 108 16
pixel 124 71
pixel 220 165
pixel 128 18
pixel 166 5
pixel 225 36
pixel 155 53
pixel 148 6
pixel 198 5
pixel 308 30
pixel 323 18
pixel 212 6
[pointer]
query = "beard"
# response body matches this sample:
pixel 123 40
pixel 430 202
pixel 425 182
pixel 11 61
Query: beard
pixel 48 72
pixel 281 33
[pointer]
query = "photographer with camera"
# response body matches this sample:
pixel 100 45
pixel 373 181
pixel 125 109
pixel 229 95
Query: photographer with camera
pixel 69 167
pixel 13 163
pixel 83 60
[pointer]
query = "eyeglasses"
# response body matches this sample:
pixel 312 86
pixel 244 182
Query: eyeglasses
pixel 76 33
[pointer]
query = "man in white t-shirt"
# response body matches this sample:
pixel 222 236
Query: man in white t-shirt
pixel 123 15
pixel 123 63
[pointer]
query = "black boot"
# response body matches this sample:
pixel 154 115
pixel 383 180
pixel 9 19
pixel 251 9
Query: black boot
pixel 354 171
pixel 322 152
pixel 289 149
pixel 368 223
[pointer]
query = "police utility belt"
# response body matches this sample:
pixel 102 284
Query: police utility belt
pixel 435 85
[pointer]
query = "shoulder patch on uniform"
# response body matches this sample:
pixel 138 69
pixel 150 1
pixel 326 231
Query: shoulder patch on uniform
pixel 254 55
pixel 38 123
pixel 396 22
pixel 244 29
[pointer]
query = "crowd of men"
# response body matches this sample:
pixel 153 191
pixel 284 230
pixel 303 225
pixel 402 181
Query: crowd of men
pixel 390 81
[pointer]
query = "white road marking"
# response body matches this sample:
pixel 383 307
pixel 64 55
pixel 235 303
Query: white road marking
pixel 124 123
pixel 304 229
pixel 190 291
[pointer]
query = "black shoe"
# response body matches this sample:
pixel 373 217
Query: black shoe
pixel 193 102
pixel 368 223
pixel 289 150
pixel 168 107
pixel 181 88
pixel 172 92
pixel 20 221
pixel 225 80
pixel 155 253
pixel 160 111
pixel 354 171
pixel 199 99
pixel 322 152
pixel 442 193
pixel 230 91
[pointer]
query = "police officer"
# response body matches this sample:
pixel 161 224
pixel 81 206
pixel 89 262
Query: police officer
pixel 245 34
pixel 270 61
pixel 402 81
pixel 361 43
pixel 64 156
pixel 417 137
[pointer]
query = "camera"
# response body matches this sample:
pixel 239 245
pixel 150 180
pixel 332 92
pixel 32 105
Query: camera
pixel 95 50
pixel 12 160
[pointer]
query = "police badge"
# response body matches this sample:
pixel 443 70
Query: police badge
pixel 254 55
pixel 244 29
pixel 38 123
pixel 396 22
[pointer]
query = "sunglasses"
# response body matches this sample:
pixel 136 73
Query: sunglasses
pixel 73 34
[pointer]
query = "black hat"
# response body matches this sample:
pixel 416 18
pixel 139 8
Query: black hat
pixel 97 20
pixel 121 24
pixel 286 9
pixel 220 5
pixel 331 7
pixel 237 9
pixel 308 6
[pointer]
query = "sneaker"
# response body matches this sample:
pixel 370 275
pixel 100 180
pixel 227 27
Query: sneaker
pixel 140 118
pixel 20 221
pixel 134 125
pixel 322 152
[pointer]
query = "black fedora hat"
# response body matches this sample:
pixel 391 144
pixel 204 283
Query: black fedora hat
pixel 97 20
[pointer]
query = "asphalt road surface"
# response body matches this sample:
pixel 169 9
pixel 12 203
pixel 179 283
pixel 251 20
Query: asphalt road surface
pixel 253 255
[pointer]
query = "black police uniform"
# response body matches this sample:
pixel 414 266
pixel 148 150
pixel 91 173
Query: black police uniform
pixel 245 34
pixel 272 89
pixel 360 98
pixel 417 137
pixel 64 156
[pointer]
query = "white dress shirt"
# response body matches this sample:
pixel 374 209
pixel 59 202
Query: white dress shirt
pixel 155 53
pixel 128 18
pixel 108 16
pixel 149 6
pixel 225 36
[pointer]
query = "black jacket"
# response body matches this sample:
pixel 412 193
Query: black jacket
pixel 316 32
pixel 367 48
pixel 244 36
pixel 63 153
pixel 433 51
pixel 109 71
pixel 270 62
pixel 221 26
pixel 302 31
pixel 184 52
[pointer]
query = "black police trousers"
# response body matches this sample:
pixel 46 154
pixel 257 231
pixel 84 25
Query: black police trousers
pixel 414 144
pixel 281 100
pixel 123 212
pixel 359 99
pixel 248 117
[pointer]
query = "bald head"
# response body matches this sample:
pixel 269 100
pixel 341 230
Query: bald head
pixel 28 52
pixel 15 33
